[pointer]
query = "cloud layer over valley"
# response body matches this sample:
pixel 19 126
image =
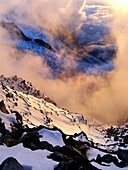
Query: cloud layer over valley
pixel 100 93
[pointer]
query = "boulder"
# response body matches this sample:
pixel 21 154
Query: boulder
pixel 31 140
pixel 45 145
pixel 11 164
pixel 19 118
pixel 108 158
pixel 56 156
pixel 3 107
pixel 2 127
pixel 9 95
pixel 126 139
pixel 70 158
pixel 8 140
pixel 123 155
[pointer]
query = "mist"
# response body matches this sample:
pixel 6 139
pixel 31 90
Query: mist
pixel 110 101
pixel 104 97
pixel 51 15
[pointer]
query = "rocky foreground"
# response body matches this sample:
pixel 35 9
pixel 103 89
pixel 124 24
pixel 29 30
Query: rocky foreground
pixel 36 134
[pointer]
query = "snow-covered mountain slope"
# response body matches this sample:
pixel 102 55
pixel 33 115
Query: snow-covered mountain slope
pixel 21 110
pixel 54 134
pixel 21 85
pixel 19 96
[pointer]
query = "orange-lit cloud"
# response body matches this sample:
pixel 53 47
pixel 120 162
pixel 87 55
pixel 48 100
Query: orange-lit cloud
pixel 101 97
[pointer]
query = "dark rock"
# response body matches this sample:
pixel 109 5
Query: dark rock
pixel 4 87
pixel 8 140
pixel 61 166
pixel 3 107
pixel 16 131
pixel 45 145
pixel 31 140
pixel 68 166
pixel 108 158
pixel 70 141
pixel 18 117
pixel 123 155
pixel 44 44
pixel 126 139
pixel 79 145
pixel 11 164
pixel 47 99
pixel 116 138
pixel 68 157
pixel 9 95
pixel 98 159
pixel 1 140
pixel 16 104
pixel 58 157
pixel 2 127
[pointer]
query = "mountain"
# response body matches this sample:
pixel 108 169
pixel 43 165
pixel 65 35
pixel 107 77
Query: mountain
pixel 35 133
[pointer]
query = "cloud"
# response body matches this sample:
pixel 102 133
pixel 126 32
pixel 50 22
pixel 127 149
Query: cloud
pixel 109 102
pixel 51 15
pixel 99 96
